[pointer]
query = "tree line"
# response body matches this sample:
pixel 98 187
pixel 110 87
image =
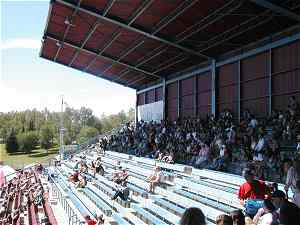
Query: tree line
pixel 25 130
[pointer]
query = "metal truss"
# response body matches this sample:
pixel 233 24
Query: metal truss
pixel 103 57
pixel 277 9
pixel 131 28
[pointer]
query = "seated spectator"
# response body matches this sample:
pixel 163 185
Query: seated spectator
pixel 154 179
pixel 82 181
pixel 122 192
pixel 121 176
pixel 192 216
pixel 169 157
pixel 238 217
pixel 221 162
pixel 97 167
pixel 293 175
pixel 203 156
pixel 83 167
pixel 266 215
pixel 224 220
pixel 252 192
pixel 259 149
pixel 296 197
pixel 100 219
pixel 89 221
pixel 74 177
pixel 289 213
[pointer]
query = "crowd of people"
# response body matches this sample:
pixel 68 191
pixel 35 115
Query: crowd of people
pixel 216 143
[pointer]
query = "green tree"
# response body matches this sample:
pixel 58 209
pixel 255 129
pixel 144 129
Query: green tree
pixel 12 143
pixel 46 136
pixel 86 133
pixel 27 141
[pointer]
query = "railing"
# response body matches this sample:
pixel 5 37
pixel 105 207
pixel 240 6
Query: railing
pixel 73 218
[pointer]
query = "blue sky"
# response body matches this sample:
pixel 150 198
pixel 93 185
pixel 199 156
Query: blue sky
pixel 28 81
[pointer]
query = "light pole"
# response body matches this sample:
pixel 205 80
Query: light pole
pixel 61 130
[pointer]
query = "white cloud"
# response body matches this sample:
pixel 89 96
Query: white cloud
pixel 28 43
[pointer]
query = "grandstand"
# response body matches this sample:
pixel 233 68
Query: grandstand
pixel 236 60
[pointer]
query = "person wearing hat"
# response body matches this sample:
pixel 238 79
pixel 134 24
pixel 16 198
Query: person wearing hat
pixel 252 188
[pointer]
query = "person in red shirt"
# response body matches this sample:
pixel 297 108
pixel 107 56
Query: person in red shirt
pixel 252 188
pixel 89 221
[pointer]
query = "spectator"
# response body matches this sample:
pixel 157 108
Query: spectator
pixel 89 221
pixel 74 177
pixel 289 213
pixel 296 198
pixel 121 176
pixel 154 179
pixel 192 216
pixel 224 220
pixel 100 219
pixel 122 192
pixel 97 167
pixel 252 192
pixel 266 215
pixel 238 217
pixel 82 181
pixel 293 175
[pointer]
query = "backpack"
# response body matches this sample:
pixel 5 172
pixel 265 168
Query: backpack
pixel 252 206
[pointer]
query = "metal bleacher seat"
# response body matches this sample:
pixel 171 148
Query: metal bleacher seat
pixel 219 185
pixel 170 206
pixel 163 214
pixel 94 197
pixel 209 212
pixel 120 220
pixel 215 194
pixel 206 201
pixel 220 176
pixel 147 216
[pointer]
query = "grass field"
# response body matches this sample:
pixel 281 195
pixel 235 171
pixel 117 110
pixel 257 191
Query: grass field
pixel 20 159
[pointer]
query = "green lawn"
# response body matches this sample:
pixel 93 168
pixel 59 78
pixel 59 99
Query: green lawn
pixel 19 159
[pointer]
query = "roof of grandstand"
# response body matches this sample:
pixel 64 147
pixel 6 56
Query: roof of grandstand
pixel 137 43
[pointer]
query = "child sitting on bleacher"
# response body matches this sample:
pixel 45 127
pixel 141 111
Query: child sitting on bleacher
pixel 155 179
pixel 82 181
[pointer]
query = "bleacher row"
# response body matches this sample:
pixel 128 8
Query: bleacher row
pixel 182 187
pixel 21 207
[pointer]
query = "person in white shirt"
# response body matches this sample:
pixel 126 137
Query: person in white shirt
pixel 154 179
pixel 258 149
pixel 266 215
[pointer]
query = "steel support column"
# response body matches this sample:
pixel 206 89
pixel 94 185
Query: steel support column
pixel 239 91
pixel 196 96
pixel 270 82
pixel 178 99
pixel 136 109
pixel 213 87
pixel 164 98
